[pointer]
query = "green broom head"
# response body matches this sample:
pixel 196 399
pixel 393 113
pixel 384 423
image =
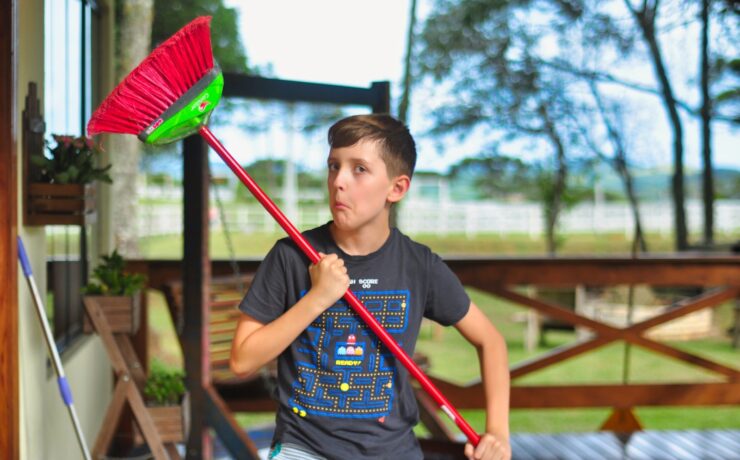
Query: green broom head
pixel 170 94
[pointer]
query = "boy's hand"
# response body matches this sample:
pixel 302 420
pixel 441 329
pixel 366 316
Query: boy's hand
pixel 329 279
pixel 490 447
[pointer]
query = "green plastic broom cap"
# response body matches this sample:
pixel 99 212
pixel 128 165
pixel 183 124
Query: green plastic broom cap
pixel 189 113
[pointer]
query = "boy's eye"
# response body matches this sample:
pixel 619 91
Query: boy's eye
pixel 332 167
pixel 360 169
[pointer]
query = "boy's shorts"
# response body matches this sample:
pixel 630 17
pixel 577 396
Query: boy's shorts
pixel 287 451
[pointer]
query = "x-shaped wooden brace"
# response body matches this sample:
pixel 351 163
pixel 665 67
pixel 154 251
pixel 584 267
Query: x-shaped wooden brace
pixel 607 334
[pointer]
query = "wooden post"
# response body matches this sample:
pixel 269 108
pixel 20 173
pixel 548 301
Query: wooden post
pixel 9 389
pixel 196 276
pixel 532 331
pixel 382 97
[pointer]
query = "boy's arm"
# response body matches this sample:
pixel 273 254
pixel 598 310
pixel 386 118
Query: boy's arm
pixel 491 348
pixel 256 344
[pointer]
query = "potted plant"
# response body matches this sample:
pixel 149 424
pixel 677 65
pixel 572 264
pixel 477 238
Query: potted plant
pixel 61 191
pixel 118 293
pixel 164 391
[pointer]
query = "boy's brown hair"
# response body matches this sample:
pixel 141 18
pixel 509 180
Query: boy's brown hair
pixel 397 146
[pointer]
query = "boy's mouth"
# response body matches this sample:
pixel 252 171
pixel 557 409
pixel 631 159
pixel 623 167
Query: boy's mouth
pixel 340 205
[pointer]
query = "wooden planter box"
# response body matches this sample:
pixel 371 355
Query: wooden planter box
pixel 169 422
pixel 60 204
pixel 122 312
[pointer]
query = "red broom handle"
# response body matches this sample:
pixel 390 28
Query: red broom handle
pixel 356 305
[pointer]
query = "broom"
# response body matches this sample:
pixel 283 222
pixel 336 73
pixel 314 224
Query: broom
pixel 171 95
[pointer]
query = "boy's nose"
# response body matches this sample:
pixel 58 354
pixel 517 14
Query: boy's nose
pixel 339 181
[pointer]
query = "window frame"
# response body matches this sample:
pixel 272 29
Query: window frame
pixel 67 273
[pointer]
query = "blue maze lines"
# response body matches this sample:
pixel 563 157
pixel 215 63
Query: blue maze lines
pixel 347 373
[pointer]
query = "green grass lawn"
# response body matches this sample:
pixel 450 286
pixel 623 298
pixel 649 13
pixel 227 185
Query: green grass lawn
pixel 453 359
pixel 257 244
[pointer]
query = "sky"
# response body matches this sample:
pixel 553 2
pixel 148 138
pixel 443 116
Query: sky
pixel 356 42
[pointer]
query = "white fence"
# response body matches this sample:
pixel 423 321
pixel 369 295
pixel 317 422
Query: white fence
pixel 468 218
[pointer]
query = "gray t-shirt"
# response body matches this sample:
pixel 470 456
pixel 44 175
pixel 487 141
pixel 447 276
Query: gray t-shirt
pixel 341 393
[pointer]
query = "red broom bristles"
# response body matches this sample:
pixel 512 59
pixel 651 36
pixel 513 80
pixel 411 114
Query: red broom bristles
pixel 157 82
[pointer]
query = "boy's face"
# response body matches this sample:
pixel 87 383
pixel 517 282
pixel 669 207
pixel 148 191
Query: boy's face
pixel 360 190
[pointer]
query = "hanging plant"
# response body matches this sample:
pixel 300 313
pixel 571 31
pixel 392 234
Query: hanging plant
pixel 72 161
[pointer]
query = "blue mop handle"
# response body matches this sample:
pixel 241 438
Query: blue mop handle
pixel 56 361
pixel 24 259
pixel 64 389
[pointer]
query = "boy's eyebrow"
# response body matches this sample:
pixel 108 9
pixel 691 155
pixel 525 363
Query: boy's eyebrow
pixel 356 158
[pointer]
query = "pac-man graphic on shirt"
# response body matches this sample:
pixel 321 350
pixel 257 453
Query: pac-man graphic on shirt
pixel 347 372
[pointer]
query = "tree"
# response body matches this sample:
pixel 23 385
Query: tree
pixel 710 105
pixel 135 38
pixel 645 17
pixel 706 131
pixel 610 118
pixel 171 15
pixel 403 106
pixel 495 175
pixel 487 50
pixel 134 19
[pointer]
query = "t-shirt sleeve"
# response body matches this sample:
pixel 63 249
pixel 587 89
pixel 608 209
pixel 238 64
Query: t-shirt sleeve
pixel 447 301
pixel 266 298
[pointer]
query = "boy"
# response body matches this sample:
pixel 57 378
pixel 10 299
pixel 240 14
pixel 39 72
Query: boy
pixel 341 393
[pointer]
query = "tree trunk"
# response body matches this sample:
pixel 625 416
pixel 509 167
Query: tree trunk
pixel 554 204
pixel 629 189
pixel 134 36
pixel 646 20
pixel 706 133
pixel 619 162
pixel 403 106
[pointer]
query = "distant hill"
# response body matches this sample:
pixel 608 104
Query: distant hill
pixel 653 184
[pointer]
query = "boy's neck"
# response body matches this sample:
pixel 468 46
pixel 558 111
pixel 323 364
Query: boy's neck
pixel 362 241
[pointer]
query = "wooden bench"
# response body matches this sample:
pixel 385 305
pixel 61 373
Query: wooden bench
pixel 225 295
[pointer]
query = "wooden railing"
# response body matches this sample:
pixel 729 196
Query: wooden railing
pixel 718 276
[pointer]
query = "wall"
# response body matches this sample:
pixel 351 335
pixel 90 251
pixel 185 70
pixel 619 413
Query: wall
pixel 45 428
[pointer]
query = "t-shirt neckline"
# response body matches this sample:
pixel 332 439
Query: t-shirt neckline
pixel 348 258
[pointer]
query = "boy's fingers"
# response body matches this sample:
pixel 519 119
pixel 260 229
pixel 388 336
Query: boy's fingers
pixel 469 450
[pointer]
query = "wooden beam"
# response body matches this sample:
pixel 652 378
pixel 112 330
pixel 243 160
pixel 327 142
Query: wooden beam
pixel 688 306
pixel 196 278
pixel 254 87
pixel 232 435
pixel 471 396
pixel 625 396
pixel 555 356
pixel 691 269
pixel 9 391
pixel 484 274
pixel 632 334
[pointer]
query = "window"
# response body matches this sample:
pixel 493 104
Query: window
pixel 67 106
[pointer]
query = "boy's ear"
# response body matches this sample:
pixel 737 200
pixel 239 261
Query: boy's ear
pixel 399 186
